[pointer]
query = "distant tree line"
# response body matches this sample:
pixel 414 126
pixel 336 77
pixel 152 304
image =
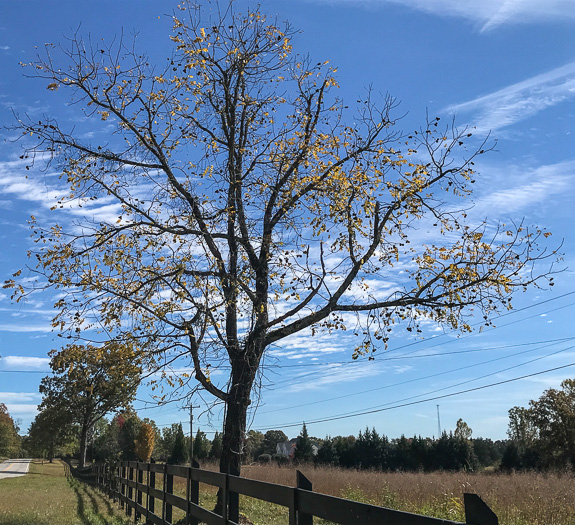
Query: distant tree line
pixel 370 450
pixel 124 437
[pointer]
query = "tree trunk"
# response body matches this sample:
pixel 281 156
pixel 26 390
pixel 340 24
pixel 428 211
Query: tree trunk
pixel 234 431
pixel 83 444
pixel 235 426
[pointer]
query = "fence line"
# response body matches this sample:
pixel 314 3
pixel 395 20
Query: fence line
pixel 133 485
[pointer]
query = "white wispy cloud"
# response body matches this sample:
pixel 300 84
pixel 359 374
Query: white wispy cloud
pixel 514 103
pixel 19 397
pixel 524 188
pixel 23 328
pixel 486 14
pixel 13 182
pixel 24 362
pixel 4 48
pixel 334 374
pixel 22 409
pixel 40 189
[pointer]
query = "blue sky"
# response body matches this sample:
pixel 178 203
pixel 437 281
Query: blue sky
pixel 505 67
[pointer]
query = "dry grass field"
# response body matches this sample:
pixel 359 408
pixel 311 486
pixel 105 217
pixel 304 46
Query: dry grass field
pixel 518 499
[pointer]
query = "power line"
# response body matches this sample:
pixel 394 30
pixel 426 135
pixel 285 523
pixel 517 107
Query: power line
pixel 334 418
pixel 458 384
pixel 302 377
pixel 427 339
pixel 430 376
pixel 421 356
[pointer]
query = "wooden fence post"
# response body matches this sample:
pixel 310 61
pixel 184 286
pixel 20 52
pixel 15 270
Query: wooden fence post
pixel 169 489
pixel 193 492
pixel 122 484
pixel 302 483
pixel 140 479
pixel 130 491
pixel 152 484
pixel 477 512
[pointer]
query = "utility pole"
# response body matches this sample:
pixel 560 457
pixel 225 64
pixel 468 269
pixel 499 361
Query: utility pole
pixel 191 407
pixel 438 424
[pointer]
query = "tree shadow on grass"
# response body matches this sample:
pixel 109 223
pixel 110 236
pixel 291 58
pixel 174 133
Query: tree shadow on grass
pixel 86 500
pixel 95 498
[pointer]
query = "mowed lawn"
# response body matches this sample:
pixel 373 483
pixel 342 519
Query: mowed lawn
pixel 46 497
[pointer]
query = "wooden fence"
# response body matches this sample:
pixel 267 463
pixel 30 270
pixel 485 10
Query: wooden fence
pixel 134 486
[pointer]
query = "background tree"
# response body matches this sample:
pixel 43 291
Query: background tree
pixel 303 448
pixel 145 442
pixel 488 452
pixel 126 437
pixel 128 429
pixel 553 415
pixel 9 438
pixel 216 448
pixel 88 382
pixel 270 441
pixel 201 446
pixel 521 429
pixel 52 433
pixel 453 453
pixel 254 444
pixel 180 449
pixel 523 448
pixel 243 182
pixel 166 443
pixel 327 454
pixel 462 430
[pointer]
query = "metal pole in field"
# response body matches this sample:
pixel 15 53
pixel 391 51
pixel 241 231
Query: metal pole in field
pixel 438 424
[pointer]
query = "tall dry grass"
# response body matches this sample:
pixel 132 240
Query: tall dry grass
pixel 517 499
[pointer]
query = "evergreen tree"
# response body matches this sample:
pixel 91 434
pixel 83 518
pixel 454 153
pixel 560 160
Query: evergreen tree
pixel 179 453
pixel 511 459
pixel 419 453
pixel 327 454
pixel 345 448
pixel 303 448
pixel 216 449
pixel 201 446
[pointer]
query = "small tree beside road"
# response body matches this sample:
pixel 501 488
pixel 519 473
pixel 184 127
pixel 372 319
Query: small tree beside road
pixel 89 382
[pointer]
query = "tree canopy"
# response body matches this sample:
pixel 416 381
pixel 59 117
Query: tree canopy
pixel 252 204
pixel 9 438
pixel 145 442
pixel 53 432
pixel 88 382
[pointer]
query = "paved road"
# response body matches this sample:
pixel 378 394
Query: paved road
pixel 13 468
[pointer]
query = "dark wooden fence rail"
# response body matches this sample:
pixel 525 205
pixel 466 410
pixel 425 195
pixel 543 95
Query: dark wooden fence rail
pixel 133 485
